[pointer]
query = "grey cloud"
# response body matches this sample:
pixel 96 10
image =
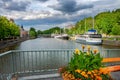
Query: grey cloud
pixel 70 6
pixel 42 0
pixel 17 6
pixel 6 0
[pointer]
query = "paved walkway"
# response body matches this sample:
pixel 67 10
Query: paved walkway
pixel 56 76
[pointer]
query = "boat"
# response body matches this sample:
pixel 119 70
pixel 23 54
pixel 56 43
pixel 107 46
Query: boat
pixel 90 37
pixel 62 36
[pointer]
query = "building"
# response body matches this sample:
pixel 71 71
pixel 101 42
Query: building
pixel 23 33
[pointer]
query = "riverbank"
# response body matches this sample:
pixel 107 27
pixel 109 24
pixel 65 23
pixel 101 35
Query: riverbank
pixel 111 42
pixel 10 44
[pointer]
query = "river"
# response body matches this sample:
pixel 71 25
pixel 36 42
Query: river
pixel 51 43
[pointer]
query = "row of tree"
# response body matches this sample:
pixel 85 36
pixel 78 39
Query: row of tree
pixel 105 23
pixel 8 29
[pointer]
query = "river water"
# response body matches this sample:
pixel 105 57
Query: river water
pixel 51 43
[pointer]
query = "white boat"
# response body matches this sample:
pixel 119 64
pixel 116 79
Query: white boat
pixel 62 36
pixel 58 36
pixel 90 37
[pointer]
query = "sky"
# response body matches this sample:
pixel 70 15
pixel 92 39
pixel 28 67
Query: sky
pixel 45 14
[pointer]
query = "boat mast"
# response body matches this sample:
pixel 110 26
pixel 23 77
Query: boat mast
pixel 93 22
pixel 85 25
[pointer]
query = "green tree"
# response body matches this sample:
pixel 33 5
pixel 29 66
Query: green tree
pixel 116 30
pixel 32 32
pixel 8 29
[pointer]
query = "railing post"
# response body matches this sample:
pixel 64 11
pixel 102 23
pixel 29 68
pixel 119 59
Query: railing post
pixel 12 63
pixel 68 56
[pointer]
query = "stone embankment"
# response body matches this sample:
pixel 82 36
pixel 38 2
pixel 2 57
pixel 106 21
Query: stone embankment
pixel 111 42
pixel 6 45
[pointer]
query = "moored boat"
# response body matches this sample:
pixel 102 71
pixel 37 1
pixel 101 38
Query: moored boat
pixel 90 37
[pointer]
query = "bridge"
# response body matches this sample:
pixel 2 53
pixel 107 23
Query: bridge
pixel 44 64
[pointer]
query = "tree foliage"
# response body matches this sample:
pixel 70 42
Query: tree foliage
pixel 32 32
pixel 8 29
pixel 104 22
pixel 55 30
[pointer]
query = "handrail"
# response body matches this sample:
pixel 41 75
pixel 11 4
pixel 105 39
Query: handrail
pixel 113 68
pixel 8 52
pixel 111 59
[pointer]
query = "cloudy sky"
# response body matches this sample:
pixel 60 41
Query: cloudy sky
pixel 44 14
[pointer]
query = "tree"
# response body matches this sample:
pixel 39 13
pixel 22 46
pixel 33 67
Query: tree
pixel 8 29
pixel 116 30
pixel 32 32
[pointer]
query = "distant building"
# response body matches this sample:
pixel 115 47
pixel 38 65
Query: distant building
pixel 23 33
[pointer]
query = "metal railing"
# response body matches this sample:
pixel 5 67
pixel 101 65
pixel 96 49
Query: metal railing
pixel 16 62
pixel 13 62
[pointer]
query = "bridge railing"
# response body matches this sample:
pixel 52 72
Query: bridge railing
pixel 16 61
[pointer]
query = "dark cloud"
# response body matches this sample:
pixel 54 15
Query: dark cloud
pixel 51 20
pixel 70 6
pixel 17 6
pixel 47 21
pixel 6 0
pixel 42 0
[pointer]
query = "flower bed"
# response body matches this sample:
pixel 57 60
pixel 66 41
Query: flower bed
pixel 86 66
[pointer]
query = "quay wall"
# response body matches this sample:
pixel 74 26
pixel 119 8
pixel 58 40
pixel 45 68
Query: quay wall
pixel 111 42
pixel 10 44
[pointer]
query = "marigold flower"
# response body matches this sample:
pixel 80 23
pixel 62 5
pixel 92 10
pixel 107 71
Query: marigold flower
pixel 77 51
pixel 86 76
pixel 95 51
pixel 83 73
pixel 104 71
pixel 78 70
pixel 88 72
pixel 98 78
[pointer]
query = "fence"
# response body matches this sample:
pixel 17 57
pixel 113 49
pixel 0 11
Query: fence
pixel 15 61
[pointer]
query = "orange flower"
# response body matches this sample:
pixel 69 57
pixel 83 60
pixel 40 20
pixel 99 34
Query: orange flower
pixel 104 71
pixel 78 70
pixel 98 78
pixel 83 73
pixel 88 72
pixel 77 51
pixel 86 76
pixel 95 51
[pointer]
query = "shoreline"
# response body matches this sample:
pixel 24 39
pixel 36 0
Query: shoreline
pixel 10 44
pixel 111 43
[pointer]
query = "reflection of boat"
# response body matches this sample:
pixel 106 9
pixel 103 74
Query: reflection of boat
pixel 90 37
pixel 65 36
